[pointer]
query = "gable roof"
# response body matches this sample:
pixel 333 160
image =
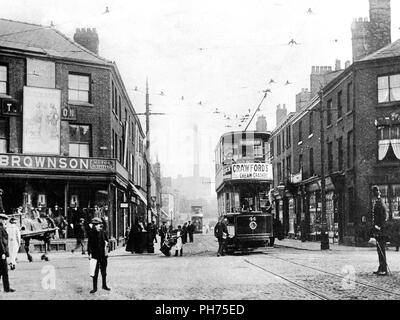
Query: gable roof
pixel 390 51
pixel 44 40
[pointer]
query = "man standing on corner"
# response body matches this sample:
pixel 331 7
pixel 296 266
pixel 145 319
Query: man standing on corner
pixel 4 253
pixel 98 249
pixel 221 233
pixel 379 220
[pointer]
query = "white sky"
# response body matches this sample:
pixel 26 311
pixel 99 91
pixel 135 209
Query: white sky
pixel 243 45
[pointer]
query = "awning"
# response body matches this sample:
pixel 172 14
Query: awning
pixel 141 196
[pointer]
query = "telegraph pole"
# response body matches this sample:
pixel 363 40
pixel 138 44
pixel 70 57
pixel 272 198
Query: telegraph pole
pixel 324 234
pixel 148 165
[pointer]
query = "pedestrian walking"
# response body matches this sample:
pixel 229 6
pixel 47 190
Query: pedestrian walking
pixel 221 233
pixel 178 247
pixel 126 238
pixel 134 242
pixel 191 229
pixel 98 250
pixel 184 233
pixel 4 253
pixel 79 232
pixel 14 242
pixel 162 233
pixel 379 220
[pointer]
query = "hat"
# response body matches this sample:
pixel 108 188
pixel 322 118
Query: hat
pixel 13 220
pixel 97 221
pixel 3 216
pixel 81 219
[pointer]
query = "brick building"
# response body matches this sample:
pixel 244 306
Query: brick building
pixel 70 139
pixel 361 124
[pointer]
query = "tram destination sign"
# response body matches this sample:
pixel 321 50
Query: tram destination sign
pixel 252 171
pixel 13 161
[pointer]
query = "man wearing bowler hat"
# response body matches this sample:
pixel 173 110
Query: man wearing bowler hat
pixel 98 249
pixel 4 253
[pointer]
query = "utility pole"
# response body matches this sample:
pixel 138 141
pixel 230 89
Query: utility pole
pixel 324 234
pixel 148 164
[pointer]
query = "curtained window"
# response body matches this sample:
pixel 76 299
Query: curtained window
pixel 389 88
pixel 389 138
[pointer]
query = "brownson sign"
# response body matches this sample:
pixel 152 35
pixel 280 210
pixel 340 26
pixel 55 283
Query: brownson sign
pixel 13 161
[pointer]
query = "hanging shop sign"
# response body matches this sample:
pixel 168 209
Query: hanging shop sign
pixel 13 161
pixel 252 171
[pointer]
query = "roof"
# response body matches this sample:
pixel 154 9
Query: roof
pixel 43 40
pixel 390 51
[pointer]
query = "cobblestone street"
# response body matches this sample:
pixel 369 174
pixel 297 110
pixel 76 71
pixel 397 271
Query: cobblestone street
pixel 283 272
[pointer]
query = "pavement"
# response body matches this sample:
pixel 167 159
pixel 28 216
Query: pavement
pixel 282 272
pixel 316 246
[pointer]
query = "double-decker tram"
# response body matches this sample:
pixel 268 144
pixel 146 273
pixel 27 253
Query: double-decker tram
pixel 243 181
pixel 197 218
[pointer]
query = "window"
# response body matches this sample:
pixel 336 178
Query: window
pixel 389 88
pixel 278 144
pixel 311 162
pixel 3 79
pixel 300 162
pixel 340 153
pixel 119 108
pixel 330 157
pixel 78 87
pixel 283 169
pixel 339 105
pixel 79 140
pixel 288 136
pixel 283 141
pixel 272 147
pixel 115 146
pixel 3 135
pixel 279 169
pixel 311 123
pixel 112 96
pixel 289 165
pixel 389 143
pixel 350 97
pixel 329 113
pixel 300 131
pixel 350 143
pixel 258 149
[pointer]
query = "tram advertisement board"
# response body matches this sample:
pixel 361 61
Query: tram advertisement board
pixel 254 171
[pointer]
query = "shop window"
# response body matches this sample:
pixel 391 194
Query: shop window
pixel 389 88
pixel 389 143
pixel 396 201
pixel 3 136
pixel 80 140
pixel 3 79
pixel 78 88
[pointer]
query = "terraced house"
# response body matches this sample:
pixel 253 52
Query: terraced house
pixel 70 138
pixel 361 124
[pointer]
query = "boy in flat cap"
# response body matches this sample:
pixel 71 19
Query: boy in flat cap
pixel 98 249
pixel 4 253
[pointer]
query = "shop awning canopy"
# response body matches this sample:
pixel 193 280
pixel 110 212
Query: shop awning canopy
pixel 141 196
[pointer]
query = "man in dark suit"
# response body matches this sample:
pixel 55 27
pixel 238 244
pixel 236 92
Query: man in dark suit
pixel 190 229
pixel 4 253
pixel 184 233
pixel 379 221
pixel 98 249
pixel 221 233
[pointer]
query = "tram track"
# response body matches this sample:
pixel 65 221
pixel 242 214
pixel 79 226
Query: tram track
pixel 292 283
pixel 337 276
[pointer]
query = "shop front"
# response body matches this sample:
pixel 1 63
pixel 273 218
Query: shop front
pixel 66 189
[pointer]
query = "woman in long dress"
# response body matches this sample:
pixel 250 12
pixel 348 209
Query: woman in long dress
pixel 14 241
pixel 179 245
